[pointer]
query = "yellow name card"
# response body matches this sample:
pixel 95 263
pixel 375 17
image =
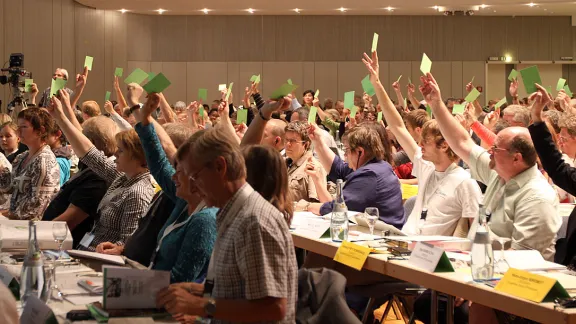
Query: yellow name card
pixel 530 286
pixel 408 191
pixel 352 255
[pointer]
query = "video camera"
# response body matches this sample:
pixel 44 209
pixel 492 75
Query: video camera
pixel 15 78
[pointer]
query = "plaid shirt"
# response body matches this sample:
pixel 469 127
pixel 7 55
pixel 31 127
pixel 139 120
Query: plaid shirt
pixel 254 253
pixel 123 204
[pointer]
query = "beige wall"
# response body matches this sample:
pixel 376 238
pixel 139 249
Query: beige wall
pixel 315 51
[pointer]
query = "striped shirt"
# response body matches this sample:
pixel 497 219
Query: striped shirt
pixel 253 256
pixel 125 202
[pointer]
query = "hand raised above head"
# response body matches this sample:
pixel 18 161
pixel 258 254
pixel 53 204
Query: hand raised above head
pixel 430 89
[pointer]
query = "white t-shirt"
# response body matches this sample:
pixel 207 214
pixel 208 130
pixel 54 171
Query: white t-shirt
pixel 448 196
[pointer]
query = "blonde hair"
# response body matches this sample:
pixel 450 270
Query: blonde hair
pixel 131 143
pixel 5 118
pixel 431 129
pixel 101 131
pixel 91 108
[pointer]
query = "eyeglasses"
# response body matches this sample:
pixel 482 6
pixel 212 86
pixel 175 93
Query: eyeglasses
pixel 493 148
pixel 565 138
pixel 293 141
pixel 195 175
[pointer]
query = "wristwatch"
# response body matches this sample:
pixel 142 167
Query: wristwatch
pixel 210 307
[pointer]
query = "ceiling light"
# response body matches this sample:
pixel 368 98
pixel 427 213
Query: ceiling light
pixel 160 11
pixel 531 4
pixel 250 10
pixel 297 10
pixel 206 11
pixel 483 6
pixel 123 10
pixel 389 8
pixel 435 7
pixel 508 58
pixel 342 9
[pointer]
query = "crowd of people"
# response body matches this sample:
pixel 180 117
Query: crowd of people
pixel 211 201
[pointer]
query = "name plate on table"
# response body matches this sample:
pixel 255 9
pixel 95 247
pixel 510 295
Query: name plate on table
pixel 430 258
pixel 126 288
pixel 531 286
pixel 14 235
pixel 37 312
pixel 352 255
pixel 9 281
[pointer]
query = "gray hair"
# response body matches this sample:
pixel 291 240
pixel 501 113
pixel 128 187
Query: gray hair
pixel 179 105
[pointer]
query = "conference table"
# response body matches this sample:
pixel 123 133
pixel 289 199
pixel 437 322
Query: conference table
pixel 450 283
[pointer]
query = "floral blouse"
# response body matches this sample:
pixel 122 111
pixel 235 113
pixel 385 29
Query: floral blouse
pixel 32 185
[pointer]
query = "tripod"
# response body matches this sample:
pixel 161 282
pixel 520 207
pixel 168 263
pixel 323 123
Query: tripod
pixel 16 105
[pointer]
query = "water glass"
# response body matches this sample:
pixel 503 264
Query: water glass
pixel 371 214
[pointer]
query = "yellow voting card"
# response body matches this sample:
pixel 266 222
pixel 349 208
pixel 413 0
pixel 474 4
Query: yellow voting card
pixel 352 255
pixel 408 191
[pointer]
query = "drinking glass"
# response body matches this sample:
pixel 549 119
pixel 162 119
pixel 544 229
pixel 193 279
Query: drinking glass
pixel 501 265
pixel 371 214
pixel 59 232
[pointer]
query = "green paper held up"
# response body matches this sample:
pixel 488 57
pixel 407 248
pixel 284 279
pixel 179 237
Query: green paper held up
pixel 289 81
pixel 367 86
pixel 28 85
pixel 158 84
pixel 473 95
pixel 257 79
pixel 426 65
pixel 151 76
pixel 312 115
pixel 530 76
pixel 107 97
pixel 283 91
pixel 118 72
pixel 88 62
pixel 229 91
pixel 349 100
pixel 567 90
pixel 374 42
pixel 379 116
pixel 458 109
pixel 429 110
pixel 353 112
pixel 253 78
pixel 513 75
pixel 203 94
pixel 317 94
pixel 57 85
pixel 242 116
pixel 560 84
pixel 201 112
pixel 400 77
pixel 137 76
pixel 500 103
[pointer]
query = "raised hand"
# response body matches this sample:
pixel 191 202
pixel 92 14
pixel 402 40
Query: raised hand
pixel 150 106
pixel 539 100
pixel 411 88
pixel 240 130
pixel 81 79
pixel 109 107
pixel 316 102
pixel 314 169
pixel 396 85
pixel 372 66
pixel 33 89
pixel 224 109
pixel 270 106
pixel 514 88
pixel 55 108
pixel 469 87
pixel 469 115
pixel 492 118
pixel 430 89
pixel 116 83
pixel 314 133
pixel 65 96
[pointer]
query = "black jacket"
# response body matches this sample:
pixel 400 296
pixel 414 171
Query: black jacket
pixel 564 176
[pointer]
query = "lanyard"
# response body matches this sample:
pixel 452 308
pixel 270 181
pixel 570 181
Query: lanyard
pixel 425 201
pixel 174 226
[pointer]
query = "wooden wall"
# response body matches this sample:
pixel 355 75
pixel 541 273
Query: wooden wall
pixel 321 52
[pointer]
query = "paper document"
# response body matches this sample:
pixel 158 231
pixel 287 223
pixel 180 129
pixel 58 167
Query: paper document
pixel 529 260
pixel 126 288
pixel 14 235
pixel 113 259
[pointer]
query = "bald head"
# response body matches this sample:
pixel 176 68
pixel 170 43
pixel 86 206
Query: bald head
pixel 134 93
pixel 274 134
pixel 518 139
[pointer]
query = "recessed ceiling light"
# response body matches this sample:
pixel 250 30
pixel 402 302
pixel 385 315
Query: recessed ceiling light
pixel 296 10
pixel 206 10
pixel 342 9
pixel 435 7
pixel 160 11
pixel 389 8
pixel 250 10
pixel 123 10
pixel 531 4
pixel 483 6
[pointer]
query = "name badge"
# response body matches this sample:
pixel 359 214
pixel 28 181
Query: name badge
pixel 87 239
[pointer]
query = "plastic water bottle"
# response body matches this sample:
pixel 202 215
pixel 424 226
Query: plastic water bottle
pixel 339 219
pixel 482 262
pixel 33 277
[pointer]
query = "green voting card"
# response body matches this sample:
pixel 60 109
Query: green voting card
pixel 151 75
pixel 203 94
pixel 549 89
pixel 400 77
pixel 367 86
pixel 513 75
pixel 229 91
pixel 349 99
pixel 353 111
pixel 253 78
pixel 530 76
pixel 500 103
pixel 375 42
pixel 458 109
pixel 312 115
pixel 473 95
pixel 567 90
pixel 118 72
pixel 57 84
pixel 289 81
pixel 560 84
pixel 242 116
pixel 157 84
pixel 283 91
pixel 201 112
pixel 472 81
pixel 28 85
pixel 137 76
pixel 316 94
pixel 257 79
pixel 88 62
pixel 428 110
pixel 107 97
pixel 409 81
pixel 426 65
pixel 379 116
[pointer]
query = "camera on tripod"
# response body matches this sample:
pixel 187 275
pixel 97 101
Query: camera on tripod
pixel 16 79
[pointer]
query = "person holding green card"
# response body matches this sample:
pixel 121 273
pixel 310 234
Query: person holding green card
pixel 308 98
pixel 60 73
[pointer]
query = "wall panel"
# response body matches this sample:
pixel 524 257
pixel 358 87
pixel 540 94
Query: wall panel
pixel 496 82
pixel 207 75
pixel 326 79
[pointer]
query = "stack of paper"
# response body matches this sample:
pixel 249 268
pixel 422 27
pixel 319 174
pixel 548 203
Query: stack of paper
pixel 529 260
pixel 107 258
pixel 14 235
